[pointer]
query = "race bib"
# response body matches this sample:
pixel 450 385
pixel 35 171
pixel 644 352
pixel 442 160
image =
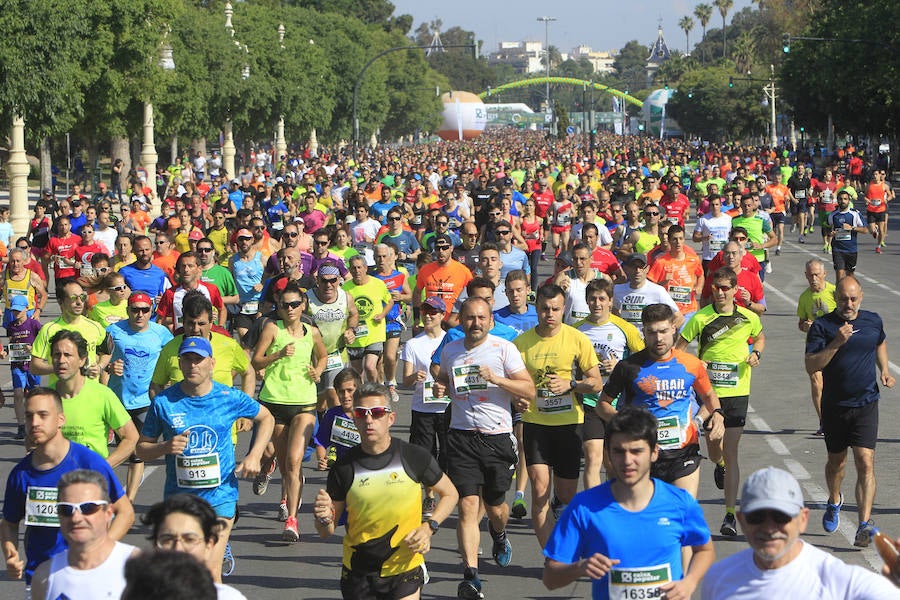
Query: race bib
pixel 637 583
pixel 800 194
pixel 361 331
pixel 716 245
pixel 673 220
pixel 87 271
pixel 344 432
pixel 632 312
pixel 428 394
pixel 668 433
pixel 563 219
pixel 874 202
pixel 198 472
pixel 40 507
pixel 842 235
pixel 250 308
pixel 723 374
pixel 580 315
pixel 548 403
pixel 334 361
pixel 19 352
pixel 681 294
pixel 467 379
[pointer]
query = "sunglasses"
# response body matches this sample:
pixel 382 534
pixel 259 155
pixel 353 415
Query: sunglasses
pixel 740 239
pixel 722 288
pixel 442 247
pixel 103 269
pixel 758 517
pixel 188 540
pixel 321 242
pixel 77 297
pixel 204 250
pixel 161 242
pixel 428 310
pixel 244 238
pixel 651 214
pixel 495 214
pixel 376 412
pixel 292 305
pixel 23 247
pixel 67 509
pixel 117 288
pixel 329 281
pixel 503 232
pixel 258 227
pixel 441 223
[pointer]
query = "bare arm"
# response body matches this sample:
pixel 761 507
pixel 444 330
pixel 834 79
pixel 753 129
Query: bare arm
pixel 9 536
pixel 701 560
pixel 881 359
pixel 124 512
pixel 817 361
pixel 558 574
pixel 128 438
pixel 260 359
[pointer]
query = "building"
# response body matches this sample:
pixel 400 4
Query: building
pixel 602 62
pixel 659 53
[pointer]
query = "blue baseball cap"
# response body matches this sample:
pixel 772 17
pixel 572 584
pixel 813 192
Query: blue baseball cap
pixel 18 303
pixel 195 345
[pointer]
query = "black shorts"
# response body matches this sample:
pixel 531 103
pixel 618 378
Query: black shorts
pixel 844 261
pixel 138 415
pixel 359 353
pixel 243 321
pixel 429 430
pixel 394 334
pixel 594 427
pixel 777 218
pixel 735 409
pixel 798 207
pixel 481 462
pixel 876 217
pixel 361 586
pixel 558 446
pixel 850 427
pixel 285 413
pixel 675 464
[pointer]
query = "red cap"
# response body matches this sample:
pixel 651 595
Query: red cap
pixel 139 297
pixel 196 234
pixel 243 233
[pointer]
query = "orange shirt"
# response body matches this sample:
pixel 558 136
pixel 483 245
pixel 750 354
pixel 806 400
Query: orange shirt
pixel 876 198
pixel 166 263
pixel 445 281
pixel 779 193
pixel 680 277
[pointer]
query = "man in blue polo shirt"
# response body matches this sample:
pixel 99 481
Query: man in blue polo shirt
pixel 846 345
pixel 142 275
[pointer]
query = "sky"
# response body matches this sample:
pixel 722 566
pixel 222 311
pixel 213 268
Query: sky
pixel 600 24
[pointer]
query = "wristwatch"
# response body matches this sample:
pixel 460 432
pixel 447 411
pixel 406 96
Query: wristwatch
pixel 434 525
pixel 757 353
pixel 572 384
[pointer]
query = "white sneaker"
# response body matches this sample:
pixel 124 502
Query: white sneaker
pixel 768 267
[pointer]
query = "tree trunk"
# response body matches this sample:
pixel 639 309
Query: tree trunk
pixel 46 165
pixel 199 146
pixel 173 151
pixel 119 147
pixel 93 162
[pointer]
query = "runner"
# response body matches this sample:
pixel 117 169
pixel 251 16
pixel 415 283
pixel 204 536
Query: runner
pixel 816 301
pixel 597 535
pixel 194 418
pixel 373 303
pixel 722 330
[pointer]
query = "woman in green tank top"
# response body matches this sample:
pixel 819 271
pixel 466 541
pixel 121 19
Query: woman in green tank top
pixel 293 356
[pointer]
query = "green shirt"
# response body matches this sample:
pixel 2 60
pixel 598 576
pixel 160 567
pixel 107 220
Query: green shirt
pixel 91 413
pixel 221 278
pixel 106 313
pixel 370 298
pixel 813 305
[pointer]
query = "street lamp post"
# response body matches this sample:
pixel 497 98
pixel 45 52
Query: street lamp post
pixel 17 170
pixel 546 21
pixel 280 144
pixel 149 157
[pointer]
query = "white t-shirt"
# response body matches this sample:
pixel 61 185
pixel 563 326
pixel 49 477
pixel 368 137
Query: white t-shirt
pixel 813 574
pixel 478 405
pixel 630 302
pixel 106 580
pixel 417 352
pixel 718 229
pixel 604 237
pixel 226 592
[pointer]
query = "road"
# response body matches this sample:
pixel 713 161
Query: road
pixel 778 433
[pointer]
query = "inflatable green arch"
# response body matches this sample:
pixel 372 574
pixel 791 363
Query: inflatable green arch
pixel 565 81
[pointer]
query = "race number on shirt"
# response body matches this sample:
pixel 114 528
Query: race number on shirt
pixel 198 472
pixel 638 583
pixel 40 507
pixel 467 378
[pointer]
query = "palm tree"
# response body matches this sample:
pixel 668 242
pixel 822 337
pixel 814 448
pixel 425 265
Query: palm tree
pixel 686 24
pixel 703 12
pixel 724 6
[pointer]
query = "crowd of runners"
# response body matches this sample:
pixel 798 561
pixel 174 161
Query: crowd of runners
pixel 558 321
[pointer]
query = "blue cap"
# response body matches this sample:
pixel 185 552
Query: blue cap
pixel 18 303
pixel 436 303
pixel 195 345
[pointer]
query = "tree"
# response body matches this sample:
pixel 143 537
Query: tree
pixel 703 12
pixel 686 24
pixel 724 6
pixel 631 65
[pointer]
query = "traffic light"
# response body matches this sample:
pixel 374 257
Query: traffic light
pixel 802 129
pixel 786 43
pixel 731 82
pixel 691 94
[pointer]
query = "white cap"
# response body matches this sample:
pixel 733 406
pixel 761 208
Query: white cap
pixel 772 489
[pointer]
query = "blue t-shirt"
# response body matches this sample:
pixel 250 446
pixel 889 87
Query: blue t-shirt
pixel 77 223
pixel 405 242
pixel 851 378
pixel 275 211
pixel 343 439
pixel 845 241
pixel 43 540
pixel 512 260
pixel 207 464
pixel 139 351
pixel 456 333
pixel 595 523
pixel 152 280
pixel 379 210
pixel 520 322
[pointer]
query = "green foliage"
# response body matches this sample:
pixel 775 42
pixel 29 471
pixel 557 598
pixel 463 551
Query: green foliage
pixel 562 120
pixel 856 83
pixel 631 65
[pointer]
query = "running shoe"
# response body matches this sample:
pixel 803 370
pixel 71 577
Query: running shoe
pixel 290 533
pixel 261 481
pixel 719 476
pixel 502 552
pixel 864 534
pixel 769 266
pixel 778 251
pixel 556 507
pixel 819 433
pixel 227 561
pixel 832 517
pixel 428 505
pixel 392 388
pixel 729 526
pixel 802 239
pixel 519 508
pixel 20 432
pixel 877 249
pixel 469 589
pixel 282 510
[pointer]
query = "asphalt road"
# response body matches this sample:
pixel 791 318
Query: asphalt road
pixel 778 433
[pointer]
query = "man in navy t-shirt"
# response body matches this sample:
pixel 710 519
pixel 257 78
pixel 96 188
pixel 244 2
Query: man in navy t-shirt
pixel 847 345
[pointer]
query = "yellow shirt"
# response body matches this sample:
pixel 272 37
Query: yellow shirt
pixel 555 355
